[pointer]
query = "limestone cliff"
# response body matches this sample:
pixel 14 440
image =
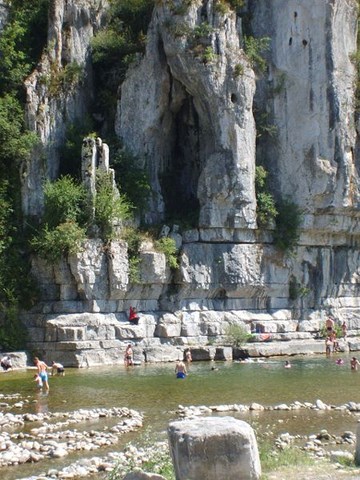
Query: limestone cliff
pixel 193 117
pixel 309 97
pixel 192 110
pixel 59 91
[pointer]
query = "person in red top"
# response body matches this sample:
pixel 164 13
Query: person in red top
pixel 133 316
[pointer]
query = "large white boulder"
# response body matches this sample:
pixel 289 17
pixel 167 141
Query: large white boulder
pixel 214 448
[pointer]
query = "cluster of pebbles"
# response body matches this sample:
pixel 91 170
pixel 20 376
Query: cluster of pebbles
pixel 318 405
pixel 31 438
pixel 119 463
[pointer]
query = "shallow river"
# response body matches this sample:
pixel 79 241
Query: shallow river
pixel 154 390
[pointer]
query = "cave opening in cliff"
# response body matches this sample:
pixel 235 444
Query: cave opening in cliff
pixel 180 179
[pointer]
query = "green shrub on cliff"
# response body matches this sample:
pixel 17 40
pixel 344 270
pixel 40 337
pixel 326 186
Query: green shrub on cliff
pixel 64 220
pixel 237 335
pixel 223 6
pixel 255 49
pixel 21 41
pixel 15 141
pixel 133 237
pixel 167 245
pixel 62 240
pixel 116 45
pixel 110 208
pixel 67 215
pixel 132 180
pixel 266 211
pixel 64 200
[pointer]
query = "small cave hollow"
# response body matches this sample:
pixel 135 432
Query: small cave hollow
pixel 179 180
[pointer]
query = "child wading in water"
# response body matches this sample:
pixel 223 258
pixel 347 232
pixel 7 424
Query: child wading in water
pixel 38 381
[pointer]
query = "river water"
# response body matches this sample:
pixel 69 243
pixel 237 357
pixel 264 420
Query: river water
pixel 154 390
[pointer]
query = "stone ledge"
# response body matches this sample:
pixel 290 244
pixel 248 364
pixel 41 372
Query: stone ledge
pixel 292 347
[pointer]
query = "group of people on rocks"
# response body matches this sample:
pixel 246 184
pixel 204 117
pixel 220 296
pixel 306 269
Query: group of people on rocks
pixel 331 341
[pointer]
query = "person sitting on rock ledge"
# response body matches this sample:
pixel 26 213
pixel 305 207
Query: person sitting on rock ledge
pixel 133 316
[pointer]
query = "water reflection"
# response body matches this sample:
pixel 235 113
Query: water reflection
pixel 41 402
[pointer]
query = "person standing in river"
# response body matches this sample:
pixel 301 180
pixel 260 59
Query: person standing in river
pixel 328 346
pixel 42 371
pixel 344 330
pixel 180 369
pixel 129 356
pixel 188 357
pixel 354 363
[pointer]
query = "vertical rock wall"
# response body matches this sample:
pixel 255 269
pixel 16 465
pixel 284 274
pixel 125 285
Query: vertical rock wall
pixel 52 107
pixel 308 95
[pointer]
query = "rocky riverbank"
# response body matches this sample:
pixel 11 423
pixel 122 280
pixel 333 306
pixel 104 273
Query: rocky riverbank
pixel 32 438
pixel 275 345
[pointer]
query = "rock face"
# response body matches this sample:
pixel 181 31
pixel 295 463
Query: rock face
pixel 59 91
pixel 214 448
pixel 310 100
pixel 194 123
pixel 186 111
pixel 4 10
